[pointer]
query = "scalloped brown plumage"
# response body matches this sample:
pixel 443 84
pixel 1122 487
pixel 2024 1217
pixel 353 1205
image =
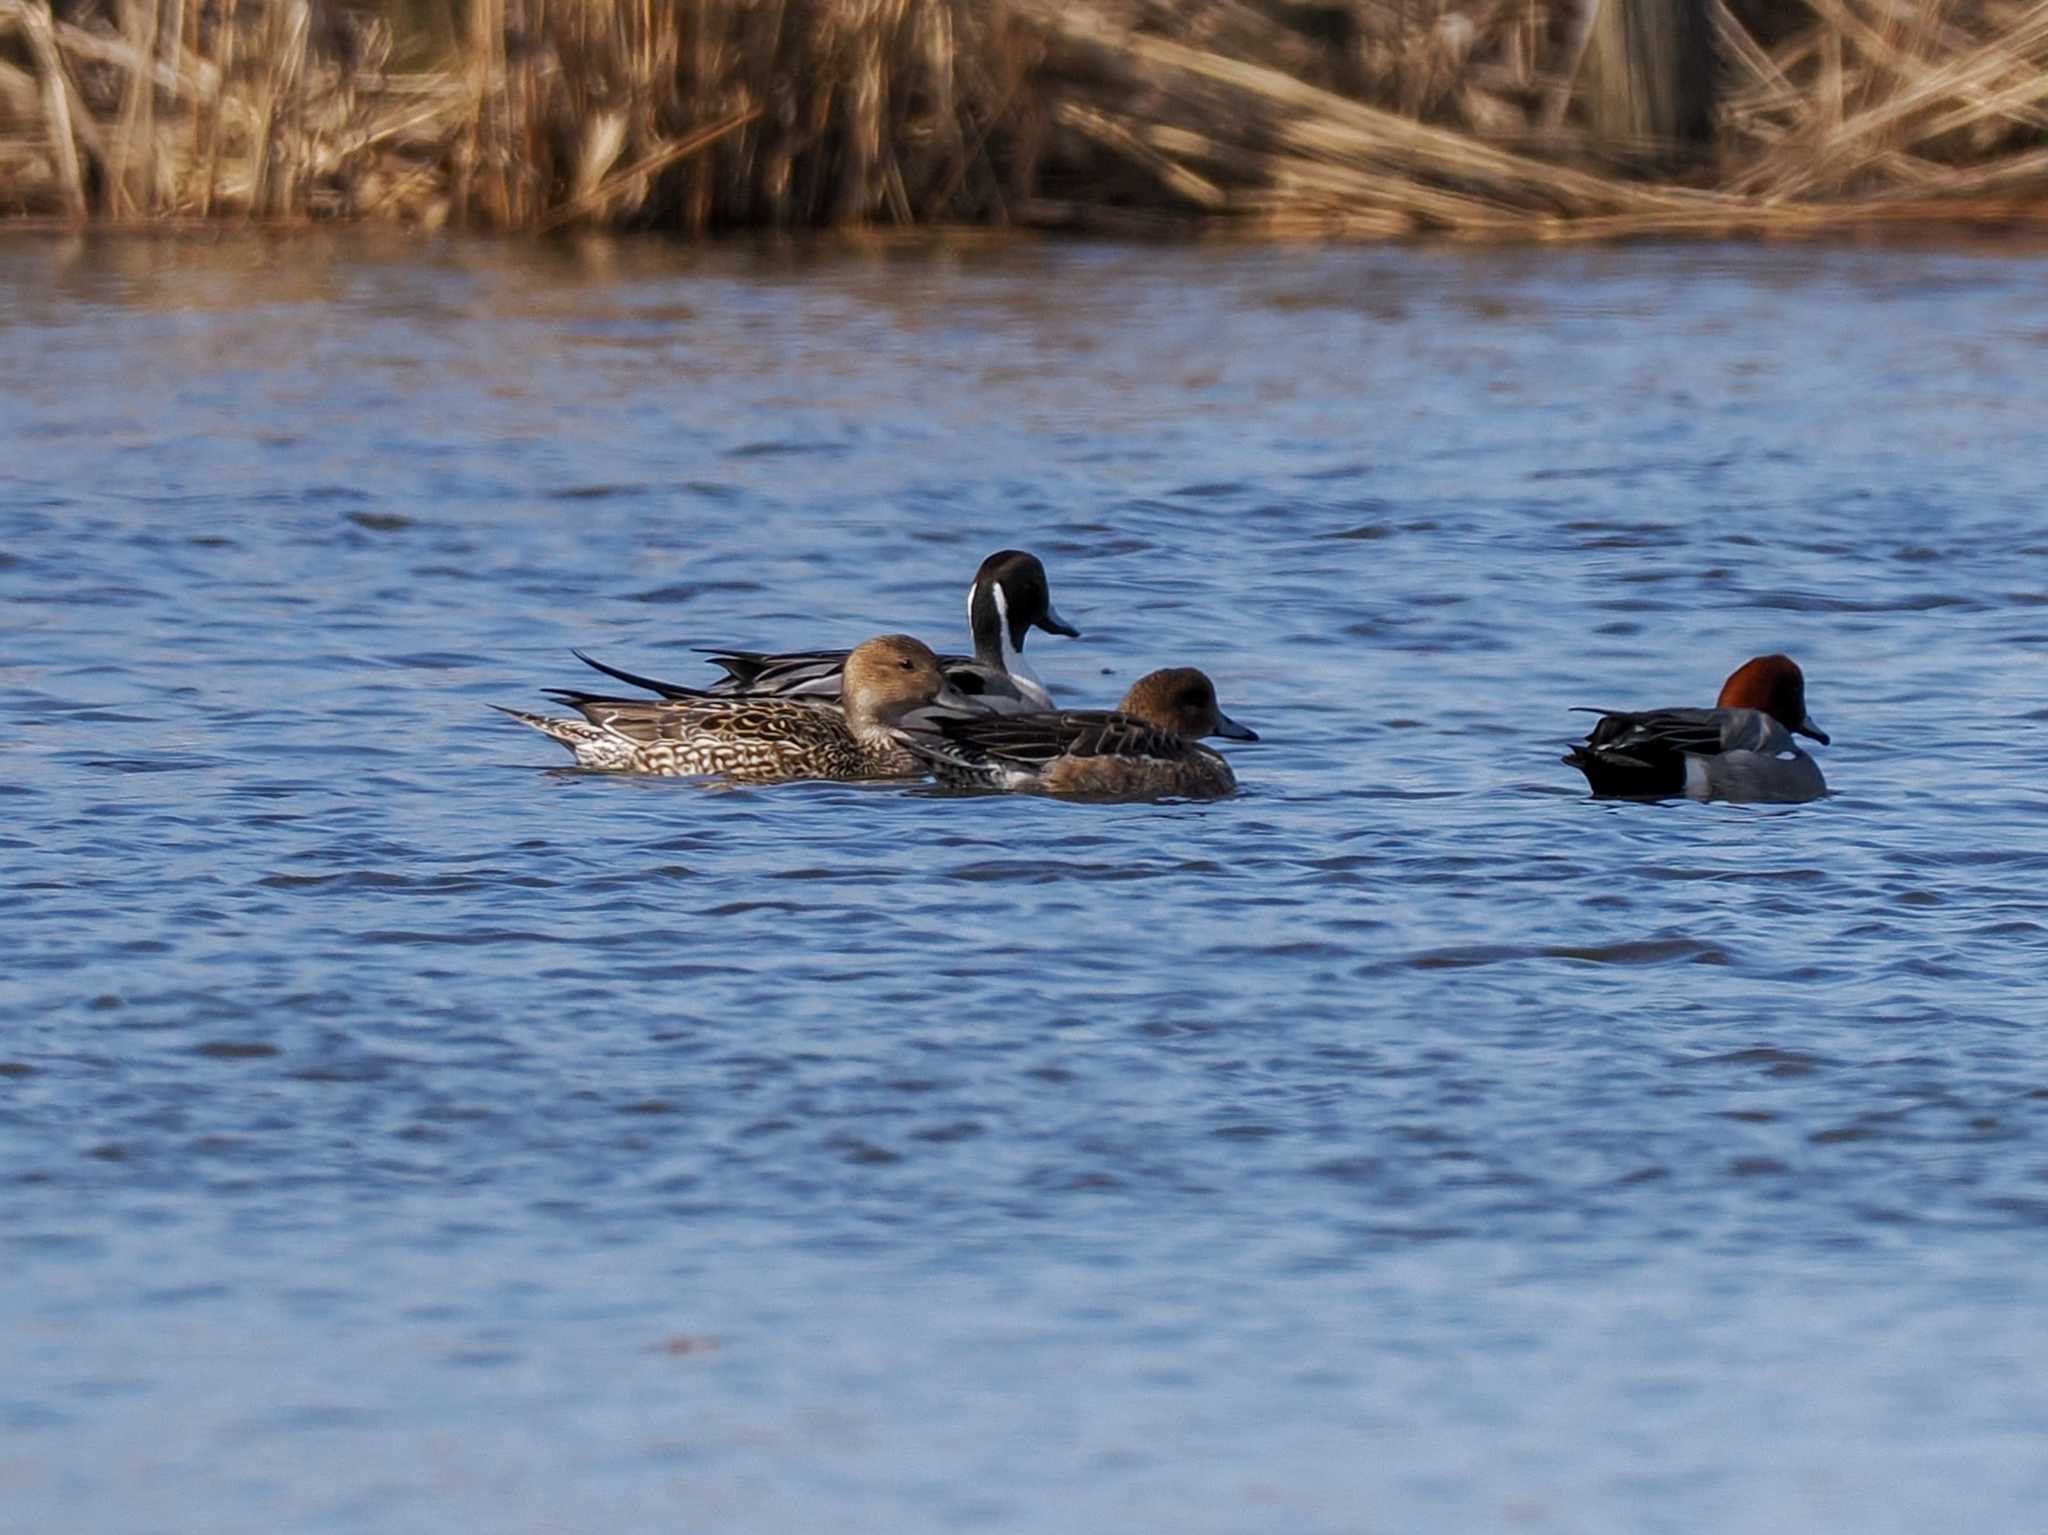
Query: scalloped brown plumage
pixel 762 740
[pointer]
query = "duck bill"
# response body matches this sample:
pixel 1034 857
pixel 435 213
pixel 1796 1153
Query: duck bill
pixel 950 697
pixel 1230 730
pixel 1052 623
pixel 1808 728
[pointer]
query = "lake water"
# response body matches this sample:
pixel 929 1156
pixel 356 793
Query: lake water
pixel 400 1132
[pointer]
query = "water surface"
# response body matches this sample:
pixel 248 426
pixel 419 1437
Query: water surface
pixel 398 1130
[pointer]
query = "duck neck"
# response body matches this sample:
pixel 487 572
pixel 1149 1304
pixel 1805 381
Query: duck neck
pixel 998 639
pixel 866 726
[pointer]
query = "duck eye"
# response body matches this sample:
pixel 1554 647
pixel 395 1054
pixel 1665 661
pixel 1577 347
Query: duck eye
pixel 907 664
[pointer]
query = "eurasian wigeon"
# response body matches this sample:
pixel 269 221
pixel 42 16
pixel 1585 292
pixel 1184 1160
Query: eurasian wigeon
pixel 1145 748
pixel 1008 599
pixel 765 739
pixel 1741 749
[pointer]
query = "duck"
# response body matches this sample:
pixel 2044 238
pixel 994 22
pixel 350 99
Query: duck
pixel 888 681
pixel 1009 597
pixel 1145 748
pixel 1741 749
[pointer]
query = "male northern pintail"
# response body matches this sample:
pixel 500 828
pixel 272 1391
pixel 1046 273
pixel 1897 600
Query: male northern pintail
pixel 1145 747
pixel 762 740
pixel 1741 749
pixel 1008 599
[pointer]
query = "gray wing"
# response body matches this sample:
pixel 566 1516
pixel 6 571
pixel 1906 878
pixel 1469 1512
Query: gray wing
pixel 782 674
pixel 791 674
pixel 1752 730
pixel 989 689
pixel 1692 732
pixel 819 673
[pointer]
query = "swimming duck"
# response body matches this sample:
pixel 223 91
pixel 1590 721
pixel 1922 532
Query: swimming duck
pixel 889 679
pixel 1145 747
pixel 1741 749
pixel 1008 599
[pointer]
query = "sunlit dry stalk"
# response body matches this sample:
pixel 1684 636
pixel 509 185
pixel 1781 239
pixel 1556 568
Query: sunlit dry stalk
pixel 210 154
pixel 33 19
pixel 134 139
pixel 694 144
pixel 274 186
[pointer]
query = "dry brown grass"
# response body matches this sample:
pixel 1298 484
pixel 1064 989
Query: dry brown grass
pixel 1370 119
pixel 1466 124
pixel 693 114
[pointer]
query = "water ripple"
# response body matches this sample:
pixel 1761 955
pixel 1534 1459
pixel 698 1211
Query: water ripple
pixel 1162 1153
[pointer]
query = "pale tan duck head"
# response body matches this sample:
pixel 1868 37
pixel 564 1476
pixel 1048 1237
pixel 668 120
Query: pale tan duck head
pixel 1775 685
pixel 1183 700
pixel 890 675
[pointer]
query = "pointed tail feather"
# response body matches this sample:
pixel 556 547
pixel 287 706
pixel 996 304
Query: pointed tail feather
pixel 539 722
pixel 742 667
pixel 1621 775
pixel 592 747
pixel 633 679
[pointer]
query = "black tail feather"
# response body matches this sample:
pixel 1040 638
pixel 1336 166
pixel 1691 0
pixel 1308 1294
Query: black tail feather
pixel 742 667
pixel 1620 775
pixel 631 679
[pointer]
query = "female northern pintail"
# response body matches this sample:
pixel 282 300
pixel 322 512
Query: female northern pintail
pixel 1008 599
pixel 764 740
pixel 1741 749
pixel 1145 747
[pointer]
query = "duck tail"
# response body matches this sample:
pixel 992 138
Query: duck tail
pixel 743 668
pixel 633 679
pixel 1578 757
pixel 571 733
pixel 1619 775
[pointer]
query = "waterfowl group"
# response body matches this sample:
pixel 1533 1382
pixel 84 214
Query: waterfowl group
pixel 892 708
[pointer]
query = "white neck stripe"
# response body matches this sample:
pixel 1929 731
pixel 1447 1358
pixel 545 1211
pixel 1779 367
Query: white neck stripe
pixel 1013 658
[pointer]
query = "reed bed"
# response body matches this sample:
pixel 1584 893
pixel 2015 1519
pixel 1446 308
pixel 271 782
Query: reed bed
pixel 1476 119
pixel 689 114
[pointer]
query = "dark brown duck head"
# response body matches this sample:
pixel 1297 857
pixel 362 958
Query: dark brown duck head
pixel 1182 700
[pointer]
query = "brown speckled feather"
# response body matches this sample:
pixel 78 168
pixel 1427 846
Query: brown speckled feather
pixel 888 680
pixel 757 739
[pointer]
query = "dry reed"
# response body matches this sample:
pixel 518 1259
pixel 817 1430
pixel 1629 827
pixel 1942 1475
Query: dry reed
pixel 1368 119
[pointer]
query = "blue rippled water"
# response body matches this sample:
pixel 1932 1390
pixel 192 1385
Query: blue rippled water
pixel 399 1131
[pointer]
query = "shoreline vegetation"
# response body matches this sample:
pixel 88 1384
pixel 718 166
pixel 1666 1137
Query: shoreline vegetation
pixel 1309 119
